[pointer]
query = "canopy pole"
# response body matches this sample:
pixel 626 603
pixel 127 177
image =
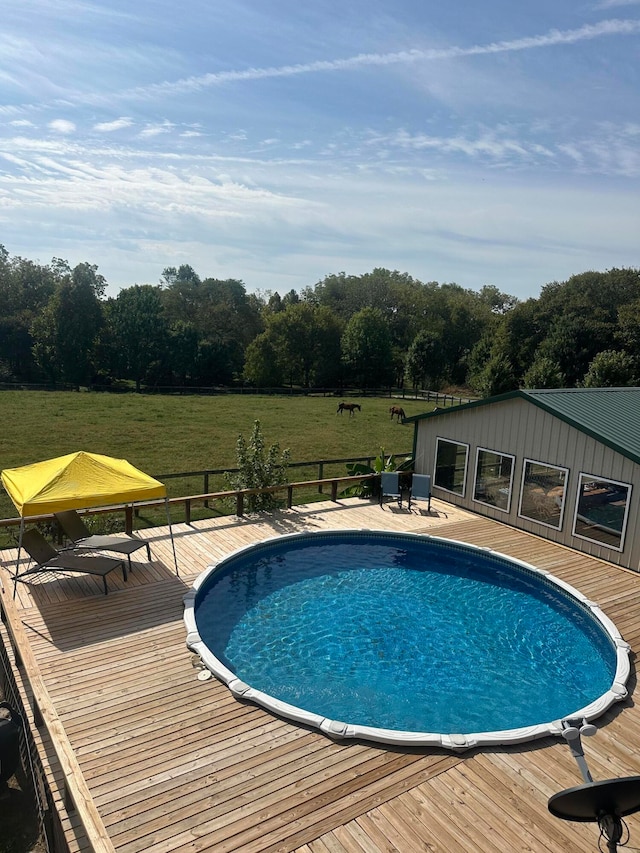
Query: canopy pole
pixel 15 577
pixel 173 544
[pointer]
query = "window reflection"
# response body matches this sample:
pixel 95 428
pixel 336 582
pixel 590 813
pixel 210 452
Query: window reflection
pixel 543 493
pixel 493 479
pixel 451 465
pixel 601 512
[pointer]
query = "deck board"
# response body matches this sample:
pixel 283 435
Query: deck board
pixel 176 764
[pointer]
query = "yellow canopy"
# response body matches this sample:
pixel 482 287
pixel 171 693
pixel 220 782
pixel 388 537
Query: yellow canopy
pixel 77 481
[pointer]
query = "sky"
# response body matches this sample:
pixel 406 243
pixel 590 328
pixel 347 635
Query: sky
pixel 278 142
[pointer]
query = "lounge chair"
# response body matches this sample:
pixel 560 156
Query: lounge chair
pixel 48 559
pixel 420 489
pixel 390 486
pixel 75 529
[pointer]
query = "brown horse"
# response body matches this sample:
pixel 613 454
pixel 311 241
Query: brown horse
pixel 397 411
pixel 348 407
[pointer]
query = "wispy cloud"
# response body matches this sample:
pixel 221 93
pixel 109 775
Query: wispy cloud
pixel 396 149
pixel 61 125
pixel 111 126
pixel 607 150
pixel 156 129
pixel 611 4
pixel 69 179
pixel 613 27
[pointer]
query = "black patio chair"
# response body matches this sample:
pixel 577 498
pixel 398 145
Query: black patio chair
pixel 49 559
pixel 77 532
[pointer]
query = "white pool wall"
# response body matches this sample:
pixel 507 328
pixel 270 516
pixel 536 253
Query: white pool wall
pixel 337 729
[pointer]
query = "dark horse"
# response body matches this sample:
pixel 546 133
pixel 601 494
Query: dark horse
pixel 397 411
pixel 348 407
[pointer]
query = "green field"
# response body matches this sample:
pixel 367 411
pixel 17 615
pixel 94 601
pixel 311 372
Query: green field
pixel 171 434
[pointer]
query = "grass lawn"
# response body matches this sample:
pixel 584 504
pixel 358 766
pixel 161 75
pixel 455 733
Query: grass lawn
pixel 170 434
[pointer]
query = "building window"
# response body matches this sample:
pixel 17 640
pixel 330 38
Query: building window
pixel 494 475
pixel 451 465
pixel 602 507
pixel 542 496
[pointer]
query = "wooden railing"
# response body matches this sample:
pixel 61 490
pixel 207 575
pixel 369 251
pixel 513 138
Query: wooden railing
pixel 318 464
pixel 237 496
pixel 234 496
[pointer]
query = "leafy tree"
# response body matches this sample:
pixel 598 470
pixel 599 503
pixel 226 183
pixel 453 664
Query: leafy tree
pixel 259 467
pixel 426 361
pixel 581 317
pixel 295 338
pixel 138 331
pixel 225 318
pixel 261 366
pixel 65 332
pixel 572 342
pixel 543 373
pixel 366 348
pixel 498 302
pixel 497 377
pixel 595 294
pixel 184 351
pixel 43 334
pixel 629 327
pixel 327 367
pixel 274 305
pixel 213 364
pixel 462 331
pixel 173 278
pixel 516 336
pixel 301 344
pixel 232 321
pixel 25 289
pixel 611 369
pixel 395 294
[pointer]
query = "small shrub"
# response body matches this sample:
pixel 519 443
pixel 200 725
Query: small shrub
pixel 258 468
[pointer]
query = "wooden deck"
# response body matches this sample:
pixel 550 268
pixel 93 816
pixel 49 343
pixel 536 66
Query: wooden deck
pixel 172 763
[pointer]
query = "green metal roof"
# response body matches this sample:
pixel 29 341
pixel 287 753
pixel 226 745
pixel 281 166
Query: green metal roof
pixel 610 415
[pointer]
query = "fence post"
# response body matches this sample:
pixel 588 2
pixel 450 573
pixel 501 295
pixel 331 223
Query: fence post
pixel 128 519
pixel 206 488
pixel 334 490
pixel 320 476
pixel 289 497
pixel 239 504
pixel 187 511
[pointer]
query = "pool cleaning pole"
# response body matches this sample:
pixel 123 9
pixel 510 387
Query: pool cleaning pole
pixel 571 733
pixel 610 825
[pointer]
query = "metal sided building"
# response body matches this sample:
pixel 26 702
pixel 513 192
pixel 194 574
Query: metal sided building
pixel 561 463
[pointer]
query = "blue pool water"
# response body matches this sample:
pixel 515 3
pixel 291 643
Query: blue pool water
pixel 404 633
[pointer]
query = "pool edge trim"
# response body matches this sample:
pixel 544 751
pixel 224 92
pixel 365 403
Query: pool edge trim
pixel 339 730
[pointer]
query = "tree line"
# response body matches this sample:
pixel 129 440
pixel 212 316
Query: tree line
pixel 376 330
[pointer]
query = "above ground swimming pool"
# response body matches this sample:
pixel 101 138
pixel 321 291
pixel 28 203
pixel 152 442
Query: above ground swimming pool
pixel 404 638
